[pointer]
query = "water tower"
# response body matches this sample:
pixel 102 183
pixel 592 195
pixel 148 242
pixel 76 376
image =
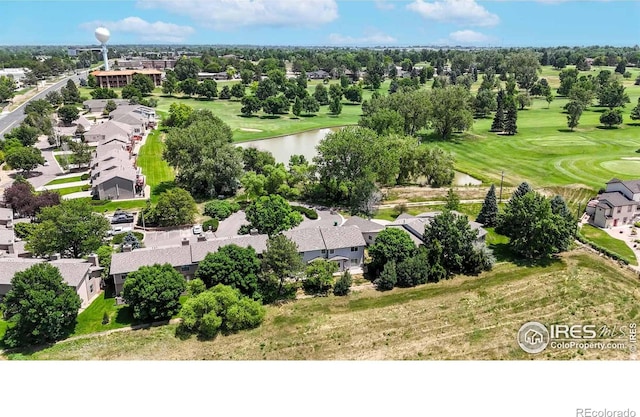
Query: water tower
pixel 103 35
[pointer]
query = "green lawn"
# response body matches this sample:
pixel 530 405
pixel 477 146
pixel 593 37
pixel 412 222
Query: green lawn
pixel 3 328
pixel 90 320
pixel 65 180
pixel 603 239
pixel 155 169
pixel 70 190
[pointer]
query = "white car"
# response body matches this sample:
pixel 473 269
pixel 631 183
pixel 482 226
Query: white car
pixel 197 229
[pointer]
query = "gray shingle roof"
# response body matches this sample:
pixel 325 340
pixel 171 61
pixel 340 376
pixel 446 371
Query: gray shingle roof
pixel 6 236
pixel 128 173
pixel 6 214
pixel 9 267
pixel 342 237
pixel 200 249
pixel 125 262
pixel 131 119
pixel 307 239
pixel 617 199
pixel 72 270
pixel 109 128
pixel 364 225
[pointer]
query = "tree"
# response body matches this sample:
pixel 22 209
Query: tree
pixel 297 107
pixel 488 215
pixel 321 95
pixel 231 265
pixel 209 89
pixel 450 110
pixel 353 93
pixel 319 277
pixel 310 105
pixel 568 77
pixel 92 81
pixel 103 93
pixel 522 189
pixel 175 207
pixel 237 90
pixel 225 93
pixel 68 113
pixel 281 268
pixel 511 117
pixel 534 230
pixel 272 214
pixel 266 88
pixel 70 93
pixel 275 105
pixel 54 98
pixel 611 117
pixel 110 106
pixel 498 120
pixel 188 87
pixel 335 106
pixel 335 92
pixel 81 153
pixel 485 102
pixel 635 112
pixel 621 68
pixel 25 159
pixel 219 309
pixel 250 104
pixel 388 277
pixel 453 201
pixel 22 199
pixel 435 164
pixel 153 292
pixel 524 100
pixel 255 159
pixel 384 122
pixel 581 94
pixel 220 209
pixel 70 229
pixel 171 84
pixel 206 162
pixel 27 135
pixel 179 115
pixel 574 111
pixel 460 253
pixel 343 285
pixel 391 244
pixel 42 307
pixel 186 68
pixel 414 270
pixel 38 107
pixel 130 240
pixel 142 83
pixel 549 98
pixel 7 88
pixel 612 95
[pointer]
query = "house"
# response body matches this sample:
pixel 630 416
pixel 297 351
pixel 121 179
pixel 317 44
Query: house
pixel 116 79
pixel 104 133
pixel 415 225
pixel 120 182
pixel 618 205
pixel 6 218
pixel 70 131
pixel 83 276
pixel 98 105
pixel 126 262
pixel 368 228
pixel 318 75
pixel 201 248
pixel 343 245
pixel 138 116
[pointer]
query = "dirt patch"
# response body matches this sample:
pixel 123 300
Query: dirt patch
pixel 404 194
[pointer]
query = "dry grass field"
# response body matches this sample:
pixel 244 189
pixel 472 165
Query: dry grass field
pixel 462 318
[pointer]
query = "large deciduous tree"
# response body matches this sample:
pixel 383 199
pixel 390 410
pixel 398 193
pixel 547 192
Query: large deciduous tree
pixel 392 244
pixel 272 214
pixel 231 265
pixel 153 292
pixel 574 111
pixel 319 277
pixel 175 207
pixel 143 83
pixel 70 228
pixel 205 160
pixel 450 110
pixel 281 269
pixel 41 306
pixel 611 117
pixel 68 114
pixel 25 159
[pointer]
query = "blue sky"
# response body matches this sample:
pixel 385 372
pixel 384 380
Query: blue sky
pixel 325 22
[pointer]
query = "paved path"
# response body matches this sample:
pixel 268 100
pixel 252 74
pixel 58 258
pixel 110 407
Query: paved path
pixel 427 203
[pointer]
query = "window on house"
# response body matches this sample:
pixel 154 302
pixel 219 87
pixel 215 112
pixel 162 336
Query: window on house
pixel 184 268
pixel 355 262
pixel 619 209
pixel 354 249
pixel 91 288
pixel 369 237
pixel 331 251
pixel 624 220
pixel 323 251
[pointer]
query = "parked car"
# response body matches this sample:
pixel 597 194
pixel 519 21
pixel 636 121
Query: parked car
pixel 122 218
pixel 197 229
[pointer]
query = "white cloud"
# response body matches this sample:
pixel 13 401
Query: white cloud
pixel 469 37
pixel 462 12
pixel 369 38
pixel 384 5
pixel 146 31
pixel 231 14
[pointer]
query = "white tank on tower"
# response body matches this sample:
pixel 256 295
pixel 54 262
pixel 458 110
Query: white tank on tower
pixel 102 35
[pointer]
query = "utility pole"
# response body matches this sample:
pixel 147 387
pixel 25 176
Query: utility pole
pixel 501 180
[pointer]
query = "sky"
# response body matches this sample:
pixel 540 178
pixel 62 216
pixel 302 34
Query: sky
pixel 501 23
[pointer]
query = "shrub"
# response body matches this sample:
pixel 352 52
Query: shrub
pixel 211 223
pixel 85 187
pixel 105 318
pixel 84 177
pixel 319 277
pixel 244 229
pixel 22 230
pixel 153 292
pixel 343 285
pixel 220 209
pixel 310 214
pixel 119 238
pixel 388 278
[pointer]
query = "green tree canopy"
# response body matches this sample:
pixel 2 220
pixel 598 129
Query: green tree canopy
pixel 231 265
pixel 392 244
pixel 319 277
pixel 488 215
pixel 281 268
pixel 25 159
pixel 272 214
pixel 175 207
pixel 153 292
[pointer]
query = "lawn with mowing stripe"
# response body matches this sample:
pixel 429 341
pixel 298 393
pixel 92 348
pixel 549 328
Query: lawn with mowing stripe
pixel 70 190
pixel 463 318
pixel 90 320
pixel 154 168
pixel 3 328
pixel 65 180
pixel 602 238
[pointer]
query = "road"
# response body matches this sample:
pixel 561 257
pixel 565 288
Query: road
pixel 10 120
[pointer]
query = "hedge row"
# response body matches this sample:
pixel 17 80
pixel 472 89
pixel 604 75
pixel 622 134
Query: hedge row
pixel 310 214
pixel 211 222
pixel 601 249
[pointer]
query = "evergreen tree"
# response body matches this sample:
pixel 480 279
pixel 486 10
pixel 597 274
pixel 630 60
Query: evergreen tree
pixel 335 107
pixel 522 189
pixel 453 201
pixel 511 117
pixel 297 107
pixel 489 213
pixel 388 278
pixel 568 223
pixel 343 285
pixel 635 112
pixel 498 119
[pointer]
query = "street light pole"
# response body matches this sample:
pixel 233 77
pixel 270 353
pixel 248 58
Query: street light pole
pixel 501 181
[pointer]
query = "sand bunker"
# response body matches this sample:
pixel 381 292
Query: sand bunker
pixel 246 129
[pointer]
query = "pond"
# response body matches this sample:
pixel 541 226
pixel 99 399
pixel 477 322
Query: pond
pixel 282 147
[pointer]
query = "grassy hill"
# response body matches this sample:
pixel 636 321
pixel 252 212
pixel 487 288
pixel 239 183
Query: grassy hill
pixel 462 318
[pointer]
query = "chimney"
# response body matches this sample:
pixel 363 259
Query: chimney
pixel 185 241
pixel 93 259
pixel 253 232
pixel 54 257
pixel 127 248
